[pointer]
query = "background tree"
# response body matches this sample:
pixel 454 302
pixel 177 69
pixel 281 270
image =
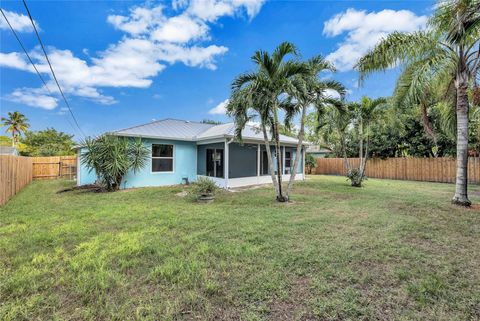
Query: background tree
pixel 446 52
pixel 112 157
pixel 48 142
pixel 16 124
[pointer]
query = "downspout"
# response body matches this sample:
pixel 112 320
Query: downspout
pixel 227 160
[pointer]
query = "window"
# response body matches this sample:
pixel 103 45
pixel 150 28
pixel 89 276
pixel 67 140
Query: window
pixel 288 162
pixel 214 162
pixel 162 158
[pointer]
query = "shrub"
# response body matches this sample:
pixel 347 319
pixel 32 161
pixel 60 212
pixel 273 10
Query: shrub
pixel 310 163
pixel 111 158
pixel 356 177
pixel 203 187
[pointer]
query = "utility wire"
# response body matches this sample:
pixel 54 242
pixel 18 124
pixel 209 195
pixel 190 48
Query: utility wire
pixel 31 61
pixel 51 68
pixel 25 51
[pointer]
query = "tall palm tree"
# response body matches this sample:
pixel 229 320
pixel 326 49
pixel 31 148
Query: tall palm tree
pixel 266 90
pixel 309 91
pixel 365 113
pixel 16 124
pixel 246 105
pixel 450 49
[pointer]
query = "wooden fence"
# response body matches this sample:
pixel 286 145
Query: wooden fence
pixel 415 169
pixel 15 173
pixel 55 167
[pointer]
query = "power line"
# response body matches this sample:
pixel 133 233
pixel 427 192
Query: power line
pixel 31 61
pixel 51 68
pixel 25 51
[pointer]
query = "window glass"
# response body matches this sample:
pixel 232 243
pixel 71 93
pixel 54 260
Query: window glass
pixel 162 150
pixel 162 165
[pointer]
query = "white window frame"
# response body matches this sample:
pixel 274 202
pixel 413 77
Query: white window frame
pixel 158 157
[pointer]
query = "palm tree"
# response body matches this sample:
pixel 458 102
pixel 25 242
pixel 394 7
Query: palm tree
pixel 364 114
pixel 265 92
pixel 244 106
pixel 309 90
pixel 449 49
pixel 336 119
pixel 17 124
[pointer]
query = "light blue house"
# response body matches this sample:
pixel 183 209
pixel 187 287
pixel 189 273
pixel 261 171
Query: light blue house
pixel 181 151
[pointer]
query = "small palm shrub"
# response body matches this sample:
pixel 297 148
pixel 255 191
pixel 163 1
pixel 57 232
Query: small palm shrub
pixel 203 187
pixel 356 177
pixel 112 157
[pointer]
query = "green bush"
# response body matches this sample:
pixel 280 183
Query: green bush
pixel 204 186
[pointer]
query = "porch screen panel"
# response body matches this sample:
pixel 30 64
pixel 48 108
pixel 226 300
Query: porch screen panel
pixel 242 160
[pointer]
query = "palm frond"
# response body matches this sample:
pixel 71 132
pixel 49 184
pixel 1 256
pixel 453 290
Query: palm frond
pixel 397 48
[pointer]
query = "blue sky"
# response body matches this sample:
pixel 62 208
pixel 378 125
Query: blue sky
pixel 123 63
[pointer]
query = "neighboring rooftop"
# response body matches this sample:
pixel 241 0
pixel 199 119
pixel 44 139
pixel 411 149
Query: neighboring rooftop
pixel 177 129
pixel 7 150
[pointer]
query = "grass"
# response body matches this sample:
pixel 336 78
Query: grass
pixel 392 250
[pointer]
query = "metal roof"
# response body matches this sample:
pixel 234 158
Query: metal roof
pixel 177 129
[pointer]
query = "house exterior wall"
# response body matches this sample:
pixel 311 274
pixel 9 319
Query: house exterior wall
pixel 84 175
pixel 190 161
pixel 184 166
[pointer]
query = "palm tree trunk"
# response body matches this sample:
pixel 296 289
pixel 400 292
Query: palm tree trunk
pixel 360 133
pixel 13 137
pixel 301 133
pixel 270 162
pixel 461 182
pixel 344 152
pixel 276 133
pixel 364 164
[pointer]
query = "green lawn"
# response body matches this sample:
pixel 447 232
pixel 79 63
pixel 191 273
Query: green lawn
pixel 392 250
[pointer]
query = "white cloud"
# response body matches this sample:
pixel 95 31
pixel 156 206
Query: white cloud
pixel 33 97
pixel 220 109
pixel 19 22
pixel 152 41
pixel 14 60
pixel 181 29
pixel 364 30
pixel 332 93
pixel 139 21
pixel 192 56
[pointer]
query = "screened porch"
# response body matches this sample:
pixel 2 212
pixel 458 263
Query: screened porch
pixel 235 165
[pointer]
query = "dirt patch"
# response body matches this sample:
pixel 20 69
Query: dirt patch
pixel 474 207
pixel 182 194
pixel 248 188
pixel 295 306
